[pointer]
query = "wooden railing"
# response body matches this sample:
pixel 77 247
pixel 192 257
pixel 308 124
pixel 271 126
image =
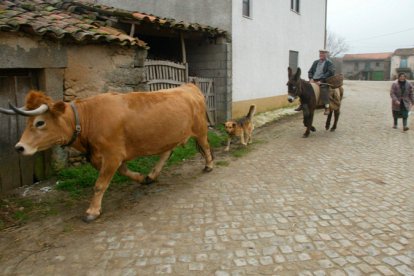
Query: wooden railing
pixel 163 74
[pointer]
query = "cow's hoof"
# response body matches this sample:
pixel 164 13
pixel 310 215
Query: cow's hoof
pixel 313 129
pixel 148 180
pixel 207 169
pixel 327 128
pixel 332 129
pixel 305 135
pixel 89 218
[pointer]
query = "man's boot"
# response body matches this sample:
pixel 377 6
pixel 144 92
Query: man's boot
pixel 299 108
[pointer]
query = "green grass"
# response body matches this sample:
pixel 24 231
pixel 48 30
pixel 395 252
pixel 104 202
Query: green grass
pixel 75 179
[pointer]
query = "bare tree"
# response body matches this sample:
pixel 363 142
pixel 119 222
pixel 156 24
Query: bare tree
pixel 336 44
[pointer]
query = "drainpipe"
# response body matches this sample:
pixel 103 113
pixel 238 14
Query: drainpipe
pixel 326 20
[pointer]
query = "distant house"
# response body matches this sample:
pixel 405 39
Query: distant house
pixel 373 66
pixel 402 61
pixel 265 38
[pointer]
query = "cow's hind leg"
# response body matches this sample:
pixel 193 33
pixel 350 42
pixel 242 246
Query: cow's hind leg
pixel 106 172
pixel 204 148
pixel 157 168
pixel 123 170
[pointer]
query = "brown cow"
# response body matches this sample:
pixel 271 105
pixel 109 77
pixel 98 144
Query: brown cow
pixel 113 128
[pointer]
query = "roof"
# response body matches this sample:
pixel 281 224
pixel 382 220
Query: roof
pixel 84 22
pixel 371 56
pixel 60 20
pixel 404 52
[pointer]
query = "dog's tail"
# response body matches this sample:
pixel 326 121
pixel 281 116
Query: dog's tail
pixel 252 110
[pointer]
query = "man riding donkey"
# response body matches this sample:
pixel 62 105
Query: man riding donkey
pixel 320 70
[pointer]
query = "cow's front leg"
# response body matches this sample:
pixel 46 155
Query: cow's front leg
pixel 106 172
pixel 158 167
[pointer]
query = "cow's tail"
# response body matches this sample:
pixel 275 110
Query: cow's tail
pixel 252 110
pixel 202 151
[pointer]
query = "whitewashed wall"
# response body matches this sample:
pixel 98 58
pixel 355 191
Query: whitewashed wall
pixel 261 44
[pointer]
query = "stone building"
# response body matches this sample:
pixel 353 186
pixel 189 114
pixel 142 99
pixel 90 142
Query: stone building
pixel 266 37
pixel 372 66
pixel 71 49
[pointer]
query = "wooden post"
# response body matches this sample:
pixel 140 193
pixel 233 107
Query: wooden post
pixel 183 52
pixel 132 31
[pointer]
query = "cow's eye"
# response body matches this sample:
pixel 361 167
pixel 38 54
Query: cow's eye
pixel 39 124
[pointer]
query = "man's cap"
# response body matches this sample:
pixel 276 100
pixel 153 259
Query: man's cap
pixel 324 51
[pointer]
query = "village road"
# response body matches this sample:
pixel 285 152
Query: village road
pixel 338 203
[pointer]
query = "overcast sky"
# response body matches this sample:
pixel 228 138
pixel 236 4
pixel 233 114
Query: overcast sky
pixel 373 26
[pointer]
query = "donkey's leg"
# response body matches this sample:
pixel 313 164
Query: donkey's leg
pixel 123 170
pixel 108 167
pixel 306 120
pixel 312 128
pixel 158 167
pixel 328 120
pixel 204 148
pixel 337 113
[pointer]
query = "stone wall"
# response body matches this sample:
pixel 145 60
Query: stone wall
pixel 93 69
pixel 73 71
pixel 213 61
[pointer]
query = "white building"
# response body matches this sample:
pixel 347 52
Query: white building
pixel 266 36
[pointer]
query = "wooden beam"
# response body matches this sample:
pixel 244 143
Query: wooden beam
pixel 183 52
pixel 132 32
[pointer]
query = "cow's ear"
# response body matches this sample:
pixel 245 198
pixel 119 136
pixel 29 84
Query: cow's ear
pixel 58 108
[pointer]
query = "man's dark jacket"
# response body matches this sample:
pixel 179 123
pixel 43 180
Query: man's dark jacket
pixel 328 70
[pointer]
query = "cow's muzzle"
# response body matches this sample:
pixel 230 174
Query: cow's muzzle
pixel 24 149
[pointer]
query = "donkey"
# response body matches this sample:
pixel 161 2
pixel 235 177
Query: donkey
pixel 309 95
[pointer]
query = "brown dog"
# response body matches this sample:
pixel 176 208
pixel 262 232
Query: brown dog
pixel 242 128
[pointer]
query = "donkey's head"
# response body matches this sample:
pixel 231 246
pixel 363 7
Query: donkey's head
pixel 294 84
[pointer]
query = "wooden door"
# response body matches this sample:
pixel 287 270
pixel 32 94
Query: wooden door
pixel 17 170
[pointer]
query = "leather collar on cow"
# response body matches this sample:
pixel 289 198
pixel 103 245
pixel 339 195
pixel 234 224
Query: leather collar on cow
pixel 77 126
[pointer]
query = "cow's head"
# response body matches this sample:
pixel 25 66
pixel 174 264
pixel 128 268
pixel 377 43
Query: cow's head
pixel 293 84
pixel 44 124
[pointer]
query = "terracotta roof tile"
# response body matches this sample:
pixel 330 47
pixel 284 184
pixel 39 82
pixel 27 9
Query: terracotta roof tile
pixel 49 18
pixel 84 22
pixel 404 52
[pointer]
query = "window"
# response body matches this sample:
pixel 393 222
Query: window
pixel 293 60
pixel 377 64
pixel 246 8
pixel 356 66
pixel 295 5
pixel 404 62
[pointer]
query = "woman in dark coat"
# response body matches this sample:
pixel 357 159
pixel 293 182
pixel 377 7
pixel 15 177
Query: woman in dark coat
pixel 402 99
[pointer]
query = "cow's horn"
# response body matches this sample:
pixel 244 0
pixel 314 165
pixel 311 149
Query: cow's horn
pixel 7 111
pixel 22 111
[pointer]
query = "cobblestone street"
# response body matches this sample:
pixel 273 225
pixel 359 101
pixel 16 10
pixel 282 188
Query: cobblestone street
pixel 336 203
